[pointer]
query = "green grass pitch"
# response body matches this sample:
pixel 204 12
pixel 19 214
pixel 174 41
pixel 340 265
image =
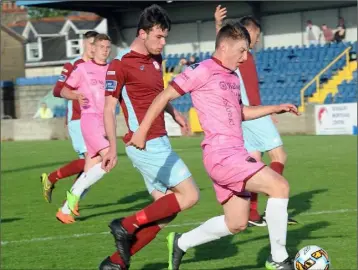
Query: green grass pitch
pixel 322 172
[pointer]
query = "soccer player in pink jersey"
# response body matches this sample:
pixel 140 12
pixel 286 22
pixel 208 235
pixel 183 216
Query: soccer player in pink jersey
pixel 86 84
pixel 215 91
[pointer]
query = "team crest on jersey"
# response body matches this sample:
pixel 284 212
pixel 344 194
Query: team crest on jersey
pixel 111 85
pixel 156 65
pixel 62 78
pixel 111 72
pixel 194 66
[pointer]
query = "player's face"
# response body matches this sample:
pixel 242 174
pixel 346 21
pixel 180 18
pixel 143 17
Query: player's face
pixel 254 36
pixel 102 49
pixel 88 47
pixel 155 40
pixel 235 52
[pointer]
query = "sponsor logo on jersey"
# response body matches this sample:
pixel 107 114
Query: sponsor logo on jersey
pixel 62 78
pixel 111 85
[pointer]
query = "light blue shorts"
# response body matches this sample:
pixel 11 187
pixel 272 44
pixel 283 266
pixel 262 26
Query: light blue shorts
pixel 261 135
pixel 159 165
pixel 78 143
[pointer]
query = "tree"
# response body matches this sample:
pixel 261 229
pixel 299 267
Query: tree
pixel 36 13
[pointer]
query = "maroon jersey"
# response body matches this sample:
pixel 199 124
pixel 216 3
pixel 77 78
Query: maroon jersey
pixel 251 81
pixel 136 80
pixel 73 109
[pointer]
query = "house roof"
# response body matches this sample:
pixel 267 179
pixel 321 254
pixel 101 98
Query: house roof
pixel 13 33
pixel 18 29
pixel 53 40
pixel 43 27
pixel 54 25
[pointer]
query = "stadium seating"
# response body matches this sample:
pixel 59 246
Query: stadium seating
pixel 347 92
pixel 282 74
pixel 284 71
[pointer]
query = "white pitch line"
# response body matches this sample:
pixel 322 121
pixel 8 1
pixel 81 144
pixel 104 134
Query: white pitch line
pixel 80 235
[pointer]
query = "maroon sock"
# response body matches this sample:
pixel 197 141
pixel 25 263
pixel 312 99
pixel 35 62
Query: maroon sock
pixel 72 168
pixel 162 208
pixel 277 167
pixel 254 201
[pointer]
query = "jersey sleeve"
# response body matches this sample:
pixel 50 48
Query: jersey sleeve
pixel 65 73
pixel 115 78
pixel 74 80
pixel 190 80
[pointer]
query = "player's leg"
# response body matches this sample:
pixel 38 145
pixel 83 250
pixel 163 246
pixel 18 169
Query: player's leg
pixel 269 182
pixel 97 146
pixel 165 170
pixel 74 167
pixel 92 174
pixel 278 159
pixel 271 140
pixel 255 219
pixel 143 236
pixel 234 220
pixel 254 148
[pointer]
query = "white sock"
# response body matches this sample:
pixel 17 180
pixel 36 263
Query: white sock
pixel 88 179
pixel 65 209
pixel 211 230
pixel 276 219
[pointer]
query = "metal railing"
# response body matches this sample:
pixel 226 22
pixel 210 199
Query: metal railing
pixel 316 79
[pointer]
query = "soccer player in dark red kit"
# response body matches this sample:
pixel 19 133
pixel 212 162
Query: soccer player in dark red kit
pixel 73 122
pixel 260 135
pixel 135 79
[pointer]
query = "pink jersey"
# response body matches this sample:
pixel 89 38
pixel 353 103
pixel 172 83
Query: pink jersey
pixel 215 92
pixel 89 79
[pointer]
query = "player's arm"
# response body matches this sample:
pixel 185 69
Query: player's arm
pixel 65 73
pixel 115 79
pixel 188 81
pixel 110 120
pixel 157 106
pixel 220 15
pixel 69 90
pixel 253 112
pixel 69 94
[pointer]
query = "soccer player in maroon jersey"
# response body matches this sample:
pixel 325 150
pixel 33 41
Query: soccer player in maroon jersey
pixel 260 135
pixel 73 122
pixel 135 79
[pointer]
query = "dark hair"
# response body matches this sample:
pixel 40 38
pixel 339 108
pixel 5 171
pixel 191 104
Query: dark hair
pixel 152 16
pixel 235 31
pixel 101 37
pixel 250 21
pixel 90 34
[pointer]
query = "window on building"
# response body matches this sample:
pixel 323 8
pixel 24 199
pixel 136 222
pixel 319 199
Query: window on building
pixel 74 47
pixel 33 51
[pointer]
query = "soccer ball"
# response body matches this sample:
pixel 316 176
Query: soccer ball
pixel 312 258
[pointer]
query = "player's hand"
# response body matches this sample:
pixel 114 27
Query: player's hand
pixel 220 15
pixel 283 108
pixel 183 123
pixel 109 160
pixel 137 140
pixel 82 100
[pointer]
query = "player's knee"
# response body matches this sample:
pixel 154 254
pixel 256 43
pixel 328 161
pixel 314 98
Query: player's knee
pixel 187 193
pixel 193 197
pixel 236 226
pixel 281 188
